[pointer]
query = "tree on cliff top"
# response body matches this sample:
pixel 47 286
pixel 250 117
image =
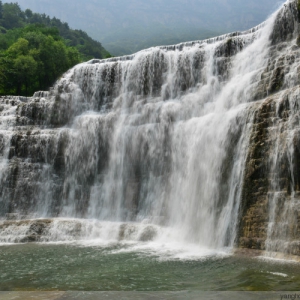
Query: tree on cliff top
pixel 12 16
pixel 1 8
pixel 34 61
pixel 35 50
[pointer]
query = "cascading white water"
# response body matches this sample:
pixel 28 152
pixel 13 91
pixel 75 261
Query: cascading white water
pixel 159 137
pixel 179 140
pixel 7 116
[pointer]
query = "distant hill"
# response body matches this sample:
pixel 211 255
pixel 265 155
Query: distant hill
pixel 125 26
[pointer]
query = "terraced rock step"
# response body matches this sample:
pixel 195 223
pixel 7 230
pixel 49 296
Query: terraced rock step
pixel 63 230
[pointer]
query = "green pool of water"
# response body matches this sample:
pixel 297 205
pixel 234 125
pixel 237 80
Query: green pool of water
pixel 50 267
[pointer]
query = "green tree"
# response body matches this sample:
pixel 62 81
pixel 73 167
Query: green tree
pixel 36 50
pixel 25 71
pixel 7 75
pixel 28 14
pixel 12 15
pixel 1 10
pixel 35 60
pixel 18 48
pixel 17 67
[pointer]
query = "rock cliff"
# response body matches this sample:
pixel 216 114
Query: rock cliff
pixel 201 136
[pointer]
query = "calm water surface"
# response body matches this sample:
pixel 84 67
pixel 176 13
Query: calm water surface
pixel 118 268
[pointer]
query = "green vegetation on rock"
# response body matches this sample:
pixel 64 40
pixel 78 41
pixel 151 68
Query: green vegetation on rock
pixel 35 50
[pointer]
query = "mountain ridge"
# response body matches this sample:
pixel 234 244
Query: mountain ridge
pixel 127 28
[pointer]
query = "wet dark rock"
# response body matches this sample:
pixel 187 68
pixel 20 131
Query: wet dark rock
pixel 30 239
pixel 148 234
pixel 25 231
pixel 263 184
pixel 12 216
pixel 286 24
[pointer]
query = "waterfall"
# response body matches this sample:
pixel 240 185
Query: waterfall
pixel 160 137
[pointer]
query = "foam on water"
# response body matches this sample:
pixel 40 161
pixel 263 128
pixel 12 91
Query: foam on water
pixel 279 274
pixel 145 238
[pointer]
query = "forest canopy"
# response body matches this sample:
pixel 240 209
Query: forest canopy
pixel 36 49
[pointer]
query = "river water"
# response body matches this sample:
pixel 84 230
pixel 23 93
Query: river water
pixel 137 267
